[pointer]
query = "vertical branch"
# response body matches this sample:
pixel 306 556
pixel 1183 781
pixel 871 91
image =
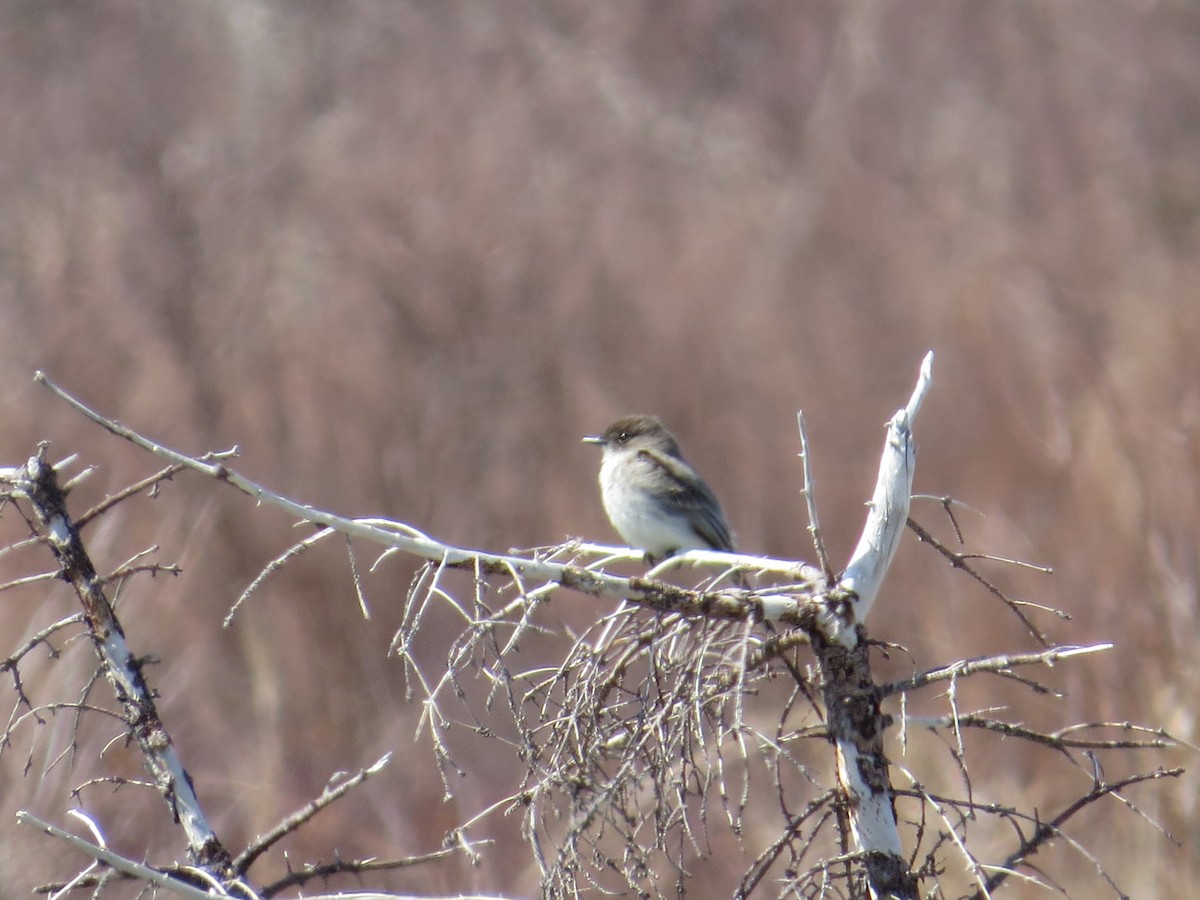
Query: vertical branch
pixel 814 524
pixel 852 699
pixel 38 482
pixel 856 724
pixel 889 504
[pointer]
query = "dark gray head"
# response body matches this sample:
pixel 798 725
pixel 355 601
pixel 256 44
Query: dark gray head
pixel 637 433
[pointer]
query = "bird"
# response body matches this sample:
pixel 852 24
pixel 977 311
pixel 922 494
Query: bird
pixel 654 499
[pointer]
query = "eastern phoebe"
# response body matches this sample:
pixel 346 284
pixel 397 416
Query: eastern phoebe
pixel 654 499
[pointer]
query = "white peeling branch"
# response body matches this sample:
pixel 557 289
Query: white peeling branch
pixel 889 505
pixel 851 699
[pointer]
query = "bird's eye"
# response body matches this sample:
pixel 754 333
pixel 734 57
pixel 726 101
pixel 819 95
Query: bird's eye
pixel 623 436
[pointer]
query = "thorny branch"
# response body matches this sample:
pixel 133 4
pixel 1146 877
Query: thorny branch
pixel 961 561
pixel 37 484
pixel 244 860
pixel 667 725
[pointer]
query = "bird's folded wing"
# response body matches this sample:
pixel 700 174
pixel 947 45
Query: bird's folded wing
pixel 685 492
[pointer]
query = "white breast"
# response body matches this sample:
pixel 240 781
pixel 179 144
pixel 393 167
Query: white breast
pixel 638 517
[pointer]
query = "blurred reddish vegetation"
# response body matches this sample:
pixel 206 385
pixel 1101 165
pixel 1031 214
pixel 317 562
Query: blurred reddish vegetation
pixel 404 254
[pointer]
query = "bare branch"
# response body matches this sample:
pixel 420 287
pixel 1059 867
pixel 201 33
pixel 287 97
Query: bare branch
pixel 322 871
pixel 814 524
pixel 959 561
pixel 38 482
pixel 850 697
pixel 28 580
pixel 729 604
pixel 118 862
pixel 109 502
pixel 996 664
pixel 1000 665
pixel 888 509
pixel 274 566
pixel 244 860
pixel 643 741
pixel 1048 830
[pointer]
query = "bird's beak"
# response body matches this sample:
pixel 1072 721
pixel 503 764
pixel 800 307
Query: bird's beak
pixel 593 439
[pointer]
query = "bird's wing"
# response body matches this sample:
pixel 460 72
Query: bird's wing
pixel 686 493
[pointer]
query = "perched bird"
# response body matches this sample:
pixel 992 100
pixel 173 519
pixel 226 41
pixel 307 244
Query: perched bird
pixel 654 499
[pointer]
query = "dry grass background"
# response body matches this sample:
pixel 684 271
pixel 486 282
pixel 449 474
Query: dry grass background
pixel 404 254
